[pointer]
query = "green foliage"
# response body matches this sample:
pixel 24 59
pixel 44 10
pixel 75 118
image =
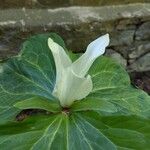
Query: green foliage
pixel 113 116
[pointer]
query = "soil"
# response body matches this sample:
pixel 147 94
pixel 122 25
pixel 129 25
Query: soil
pixel 141 80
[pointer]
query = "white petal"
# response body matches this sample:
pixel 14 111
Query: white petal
pixel 59 54
pixel 72 87
pixel 94 50
pixel 61 59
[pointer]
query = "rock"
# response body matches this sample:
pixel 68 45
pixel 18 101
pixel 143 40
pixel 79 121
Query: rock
pixel 124 50
pixel 122 37
pixel 62 3
pixel 139 48
pixel 17 3
pixel 127 24
pixel 141 64
pixel 3 47
pixel 4 51
pixel 116 56
pixel 143 32
pixel 53 3
pixel 71 15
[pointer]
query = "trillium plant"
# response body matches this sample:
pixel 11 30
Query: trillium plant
pixel 53 99
pixel 72 81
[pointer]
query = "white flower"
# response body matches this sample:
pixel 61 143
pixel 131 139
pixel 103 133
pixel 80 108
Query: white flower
pixel 72 81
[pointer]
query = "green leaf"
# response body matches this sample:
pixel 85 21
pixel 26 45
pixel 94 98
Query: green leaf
pixel 109 118
pixel 38 103
pixel 30 74
pixel 73 56
pixel 107 74
pixel 128 100
pixel 46 133
pixel 82 131
pixel 126 132
pixel 94 104
pixel 112 84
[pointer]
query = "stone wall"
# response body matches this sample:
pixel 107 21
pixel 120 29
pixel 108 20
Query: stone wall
pixel 127 22
pixel 4 4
